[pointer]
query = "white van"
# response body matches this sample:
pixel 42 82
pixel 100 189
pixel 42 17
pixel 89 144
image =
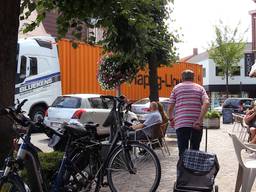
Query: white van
pixel 38 74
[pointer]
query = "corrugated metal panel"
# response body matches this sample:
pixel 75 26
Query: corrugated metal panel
pixel 79 73
pixel 79 68
pixel 168 77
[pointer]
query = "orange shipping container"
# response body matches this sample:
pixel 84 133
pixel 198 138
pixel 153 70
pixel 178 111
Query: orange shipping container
pixel 79 73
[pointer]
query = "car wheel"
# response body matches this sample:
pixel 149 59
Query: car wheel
pixel 37 113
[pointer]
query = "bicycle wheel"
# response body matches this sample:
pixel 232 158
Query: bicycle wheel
pixel 144 173
pixel 82 177
pixel 11 184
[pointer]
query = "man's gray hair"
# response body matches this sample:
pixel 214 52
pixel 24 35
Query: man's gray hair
pixel 187 75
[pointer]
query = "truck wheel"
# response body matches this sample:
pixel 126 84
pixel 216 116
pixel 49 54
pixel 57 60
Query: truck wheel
pixel 37 113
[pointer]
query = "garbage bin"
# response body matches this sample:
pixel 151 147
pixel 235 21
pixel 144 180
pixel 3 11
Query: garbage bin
pixel 227 115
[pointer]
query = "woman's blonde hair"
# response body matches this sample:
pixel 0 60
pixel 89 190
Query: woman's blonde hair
pixel 162 112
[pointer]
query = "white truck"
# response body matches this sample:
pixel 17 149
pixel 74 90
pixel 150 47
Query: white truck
pixel 38 74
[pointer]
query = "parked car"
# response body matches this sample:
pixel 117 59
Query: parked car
pixel 83 108
pixel 234 105
pixel 141 108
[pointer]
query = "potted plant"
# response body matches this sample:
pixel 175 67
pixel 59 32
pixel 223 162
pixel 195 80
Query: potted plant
pixel 212 119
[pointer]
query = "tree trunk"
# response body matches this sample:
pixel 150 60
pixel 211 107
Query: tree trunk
pixel 153 85
pixel 9 22
pixel 227 91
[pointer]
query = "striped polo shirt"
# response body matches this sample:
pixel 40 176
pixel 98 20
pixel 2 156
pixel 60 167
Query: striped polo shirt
pixel 188 98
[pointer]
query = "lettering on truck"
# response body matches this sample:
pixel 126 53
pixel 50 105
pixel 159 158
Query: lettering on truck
pixel 38 83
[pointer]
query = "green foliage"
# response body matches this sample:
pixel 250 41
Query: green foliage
pixel 50 164
pixel 114 70
pixel 212 114
pixel 227 50
pixel 135 29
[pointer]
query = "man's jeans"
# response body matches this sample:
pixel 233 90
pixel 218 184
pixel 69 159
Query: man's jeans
pixel 186 134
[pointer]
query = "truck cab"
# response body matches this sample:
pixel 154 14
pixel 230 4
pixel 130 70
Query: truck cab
pixel 38 74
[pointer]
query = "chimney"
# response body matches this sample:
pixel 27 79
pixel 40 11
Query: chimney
pixel 195 51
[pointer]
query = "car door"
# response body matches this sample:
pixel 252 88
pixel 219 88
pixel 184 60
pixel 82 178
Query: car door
pixel 99 112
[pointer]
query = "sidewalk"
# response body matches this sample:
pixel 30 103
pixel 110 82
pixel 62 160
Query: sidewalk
pixel 218 142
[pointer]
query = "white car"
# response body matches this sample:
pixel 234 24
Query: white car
pixel 83 108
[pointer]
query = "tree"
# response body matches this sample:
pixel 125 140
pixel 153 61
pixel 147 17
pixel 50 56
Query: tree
pixel 226 51
pixel 9 21
pixel 135 30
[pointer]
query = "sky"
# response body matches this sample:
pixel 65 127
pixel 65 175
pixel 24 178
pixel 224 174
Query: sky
pixel 195 19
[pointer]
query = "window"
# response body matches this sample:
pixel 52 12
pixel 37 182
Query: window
pixel 20 77
pixel 219 71
pixel 96 103
pixel 23 65
pixel 33 66
pixel 108 103
pixel 236 71
pixel 67 102
pixel 204 72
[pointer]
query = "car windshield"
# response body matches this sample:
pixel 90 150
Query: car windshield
pixel 247 103
pixel 142 101
pixel 67 102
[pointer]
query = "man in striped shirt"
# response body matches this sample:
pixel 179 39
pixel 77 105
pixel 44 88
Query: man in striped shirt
pixel 191 103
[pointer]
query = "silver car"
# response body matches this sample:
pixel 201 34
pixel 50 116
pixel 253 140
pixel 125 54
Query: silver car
pixel 141 107
pixel 83 108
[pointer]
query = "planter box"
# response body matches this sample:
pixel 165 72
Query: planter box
pixel 212 123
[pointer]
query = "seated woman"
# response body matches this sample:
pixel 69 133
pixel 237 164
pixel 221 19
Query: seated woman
pixel 250 120
pixel 154 117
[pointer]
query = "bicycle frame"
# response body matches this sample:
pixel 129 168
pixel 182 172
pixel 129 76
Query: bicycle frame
pixel 119 135
pixel 28 155
pixel 58 182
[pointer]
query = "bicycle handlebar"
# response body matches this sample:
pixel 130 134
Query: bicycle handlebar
pixel 20 105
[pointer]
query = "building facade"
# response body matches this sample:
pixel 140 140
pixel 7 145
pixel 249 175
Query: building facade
pixel 240 84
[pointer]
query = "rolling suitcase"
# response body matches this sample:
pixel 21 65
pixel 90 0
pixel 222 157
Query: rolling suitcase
pixel 196 171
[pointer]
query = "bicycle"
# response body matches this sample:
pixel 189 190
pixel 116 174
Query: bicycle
pixel 125 161
pixel 122 163
pixel 69 170
pixel 125 158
